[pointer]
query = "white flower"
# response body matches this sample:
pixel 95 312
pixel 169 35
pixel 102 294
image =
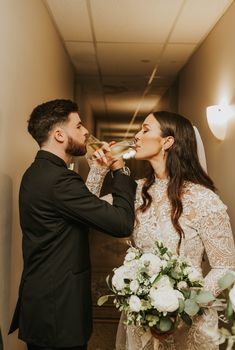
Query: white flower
pixel 164 264
pixel 135 303
pixel 118 282
pixel 182 285
pixel 163 282
pixel 193 274
pixel 120 274
pixel 179 294
pixel 132 268
pixel 154 262
pixel 134 285
pixel 130 256
pixel 166 257
pixel 164 299
pixel 232 297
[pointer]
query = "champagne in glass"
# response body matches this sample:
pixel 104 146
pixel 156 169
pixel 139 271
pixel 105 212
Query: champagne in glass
pixel 123 148
pixel 92 145
pixel 119 149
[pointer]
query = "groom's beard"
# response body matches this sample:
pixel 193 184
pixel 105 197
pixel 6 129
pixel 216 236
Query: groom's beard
pixel 75 148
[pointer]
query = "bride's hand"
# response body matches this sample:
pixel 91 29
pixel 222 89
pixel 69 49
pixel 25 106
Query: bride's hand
pixel 103 158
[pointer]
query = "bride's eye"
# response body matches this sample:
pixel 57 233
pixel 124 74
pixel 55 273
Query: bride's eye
pixel 144 131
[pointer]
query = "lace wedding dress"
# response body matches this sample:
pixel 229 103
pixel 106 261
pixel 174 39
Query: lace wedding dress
pixel 206 228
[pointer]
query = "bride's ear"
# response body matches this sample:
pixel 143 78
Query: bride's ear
pixel 168 142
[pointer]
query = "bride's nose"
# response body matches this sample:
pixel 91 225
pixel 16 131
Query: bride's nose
pixel 137 136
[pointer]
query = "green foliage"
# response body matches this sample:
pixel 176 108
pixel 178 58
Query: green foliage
pixel 102 300
pixel 204 297
pixel 165 324
pixel 191 307
pixel 227 280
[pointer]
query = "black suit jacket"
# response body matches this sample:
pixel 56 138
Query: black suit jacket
pixel 56 211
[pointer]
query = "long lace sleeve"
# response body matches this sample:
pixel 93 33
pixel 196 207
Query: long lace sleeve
pixel 95 178
pixel 216 234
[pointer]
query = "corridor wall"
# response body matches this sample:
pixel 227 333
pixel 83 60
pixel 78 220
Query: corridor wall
pixel 34 68
pixel 208 79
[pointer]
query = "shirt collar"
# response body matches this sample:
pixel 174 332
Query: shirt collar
pixel 50 156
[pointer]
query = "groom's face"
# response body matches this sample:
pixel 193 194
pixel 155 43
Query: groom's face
pixel 149 141
pixel 77 136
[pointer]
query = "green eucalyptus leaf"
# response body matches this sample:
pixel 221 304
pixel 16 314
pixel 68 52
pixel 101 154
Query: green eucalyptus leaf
pixel 204 297
pixel 193 294
pixel 102 300
pixel 181 307
pixel 191 307
pixel 227 280
pixel 165 324
pixel 229 310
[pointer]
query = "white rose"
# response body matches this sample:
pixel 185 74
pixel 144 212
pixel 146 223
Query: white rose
pixel 179 294
pixel 130 256
pixel 132 267
pixel 120 274
pixel 135 303
pixel 232 297
pixel 134 285
pixel 118 282
pixel 164 299
pixel 182 285
pixel 154 262
pixel 193 274
pixel 164 264
pixel 163 282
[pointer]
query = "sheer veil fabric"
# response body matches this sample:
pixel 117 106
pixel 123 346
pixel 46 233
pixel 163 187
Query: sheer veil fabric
pixel 200 149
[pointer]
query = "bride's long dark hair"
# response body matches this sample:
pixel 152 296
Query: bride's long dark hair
pixel 182 164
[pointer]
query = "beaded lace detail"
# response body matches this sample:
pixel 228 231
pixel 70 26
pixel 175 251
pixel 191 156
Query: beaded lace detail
pixel 95 178
pixel 207 229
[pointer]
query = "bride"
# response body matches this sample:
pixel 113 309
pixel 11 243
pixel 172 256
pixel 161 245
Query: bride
pixel 176 204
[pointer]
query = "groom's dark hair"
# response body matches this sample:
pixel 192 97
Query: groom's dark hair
pixel 48 114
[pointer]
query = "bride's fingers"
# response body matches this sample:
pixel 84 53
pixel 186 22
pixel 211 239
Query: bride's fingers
pixel 100 157
pixel 105 148
pixel 111 143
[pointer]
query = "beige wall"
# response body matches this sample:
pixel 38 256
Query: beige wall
pixel 209 77
pixel 169 101
pixel 33 68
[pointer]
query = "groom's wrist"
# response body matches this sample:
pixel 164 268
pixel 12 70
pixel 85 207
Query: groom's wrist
pixel 124 171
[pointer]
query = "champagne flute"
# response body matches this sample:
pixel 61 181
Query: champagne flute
pixel 124 148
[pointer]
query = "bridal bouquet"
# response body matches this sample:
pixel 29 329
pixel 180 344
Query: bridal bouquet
pixel 157 289
pixel 222 335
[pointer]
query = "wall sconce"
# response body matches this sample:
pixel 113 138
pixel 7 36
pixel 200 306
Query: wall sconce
pixel 217 118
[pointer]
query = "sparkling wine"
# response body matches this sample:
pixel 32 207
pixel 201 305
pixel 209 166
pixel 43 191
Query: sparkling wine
pixel 119 149
pixel 92 147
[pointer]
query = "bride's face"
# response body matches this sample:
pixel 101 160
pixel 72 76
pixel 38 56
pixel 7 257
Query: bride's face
pixel 148 140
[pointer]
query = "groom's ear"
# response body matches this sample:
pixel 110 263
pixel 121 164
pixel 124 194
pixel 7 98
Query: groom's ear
pixel 59 134
pixel 168 142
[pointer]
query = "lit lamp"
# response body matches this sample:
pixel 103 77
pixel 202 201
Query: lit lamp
pixel 217 118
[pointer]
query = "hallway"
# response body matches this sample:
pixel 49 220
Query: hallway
pixel 119 59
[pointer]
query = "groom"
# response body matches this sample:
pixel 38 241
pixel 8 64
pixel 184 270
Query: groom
pixel 56 210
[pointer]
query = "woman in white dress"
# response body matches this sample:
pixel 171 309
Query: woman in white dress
pixel 176 204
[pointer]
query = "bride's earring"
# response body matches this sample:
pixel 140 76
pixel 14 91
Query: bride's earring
pixel 163 152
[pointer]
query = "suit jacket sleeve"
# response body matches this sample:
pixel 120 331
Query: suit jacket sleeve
pixel 75 202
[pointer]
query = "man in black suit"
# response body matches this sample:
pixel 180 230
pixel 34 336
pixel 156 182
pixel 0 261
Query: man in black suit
pixel 56 210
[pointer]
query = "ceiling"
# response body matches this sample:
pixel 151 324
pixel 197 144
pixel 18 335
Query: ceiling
pixel 128 52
